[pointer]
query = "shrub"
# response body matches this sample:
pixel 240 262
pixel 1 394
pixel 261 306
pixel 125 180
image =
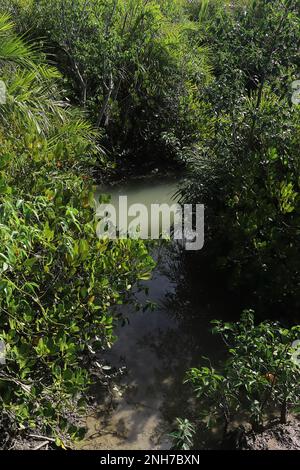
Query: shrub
pixel 261 374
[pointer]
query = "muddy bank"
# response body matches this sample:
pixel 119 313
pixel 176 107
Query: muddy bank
pixel 277 437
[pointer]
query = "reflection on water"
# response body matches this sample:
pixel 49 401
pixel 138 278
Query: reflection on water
pixel 156 347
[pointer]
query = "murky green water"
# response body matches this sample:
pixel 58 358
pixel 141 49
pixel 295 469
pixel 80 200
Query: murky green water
pixel 155 347
pixel 146 192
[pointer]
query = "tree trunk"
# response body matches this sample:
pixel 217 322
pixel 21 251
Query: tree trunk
pixel 80 80
pixel 104 106
pixel 283 413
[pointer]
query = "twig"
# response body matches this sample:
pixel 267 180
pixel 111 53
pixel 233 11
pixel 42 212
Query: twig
pixel 45 443
pixel 49 439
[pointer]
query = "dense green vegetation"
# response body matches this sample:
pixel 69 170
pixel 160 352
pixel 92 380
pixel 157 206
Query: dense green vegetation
pixel 58 282
pixel 96 85
pixel 247 173
pixel 130 65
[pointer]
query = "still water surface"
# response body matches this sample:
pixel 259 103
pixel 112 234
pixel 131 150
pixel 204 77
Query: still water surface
pixel 155 348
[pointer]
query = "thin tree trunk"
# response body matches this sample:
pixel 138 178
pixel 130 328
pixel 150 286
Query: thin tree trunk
pixel 105 103
pixel 283 413
pixel 82 83
pixel 225 429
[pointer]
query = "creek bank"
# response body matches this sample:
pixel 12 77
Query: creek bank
pixel 277 437
pixel 126 173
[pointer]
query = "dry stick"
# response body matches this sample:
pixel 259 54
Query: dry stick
pixel 43 444
pixel 45 438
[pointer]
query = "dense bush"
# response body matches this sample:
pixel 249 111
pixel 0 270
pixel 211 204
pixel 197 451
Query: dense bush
pixel 131 64
pixel 247 172
pixel 58 283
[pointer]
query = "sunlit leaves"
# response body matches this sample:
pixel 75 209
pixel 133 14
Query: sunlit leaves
pixel 59 284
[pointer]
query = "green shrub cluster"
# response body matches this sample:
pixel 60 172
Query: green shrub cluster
pixel 59 284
